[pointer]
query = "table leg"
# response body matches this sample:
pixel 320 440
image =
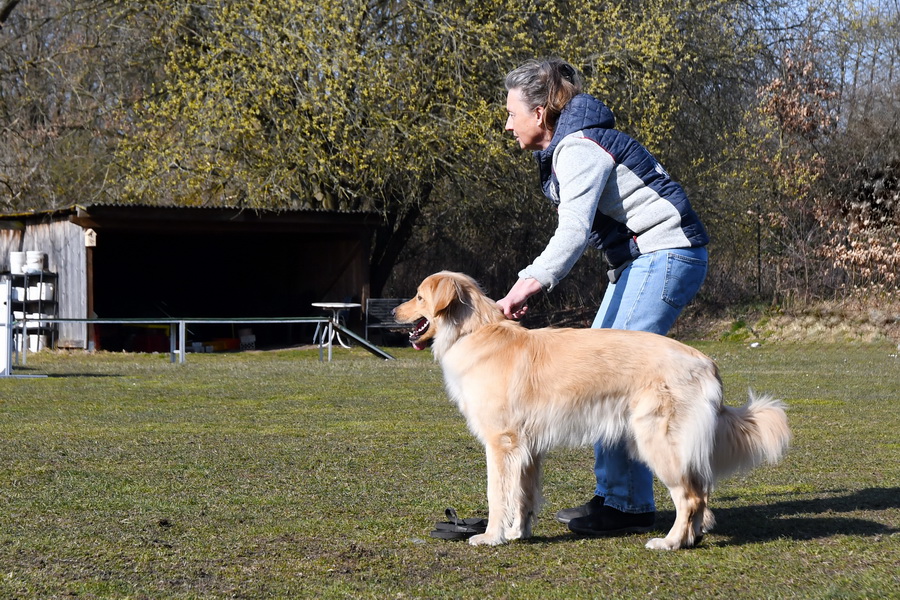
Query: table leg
pixel 337 334
pixel 330 337
pixel 334 333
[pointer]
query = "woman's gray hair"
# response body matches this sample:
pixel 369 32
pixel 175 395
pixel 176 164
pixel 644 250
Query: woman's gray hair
pixel 550 83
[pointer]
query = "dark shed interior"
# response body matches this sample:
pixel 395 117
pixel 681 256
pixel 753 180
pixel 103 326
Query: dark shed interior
pixel 205 263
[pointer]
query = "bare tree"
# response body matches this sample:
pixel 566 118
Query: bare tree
pixel 69 72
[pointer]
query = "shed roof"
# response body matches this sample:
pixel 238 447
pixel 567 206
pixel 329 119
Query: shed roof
pixel 143 217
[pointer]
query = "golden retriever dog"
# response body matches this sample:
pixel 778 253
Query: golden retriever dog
pixel 525 391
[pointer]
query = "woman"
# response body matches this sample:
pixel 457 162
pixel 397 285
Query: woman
pixel 611 194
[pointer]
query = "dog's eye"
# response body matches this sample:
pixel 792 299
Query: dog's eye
pixel 419 297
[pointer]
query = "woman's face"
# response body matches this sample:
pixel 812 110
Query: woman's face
pixel 526 125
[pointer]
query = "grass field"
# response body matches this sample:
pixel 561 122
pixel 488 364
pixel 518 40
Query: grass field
pixel 272 475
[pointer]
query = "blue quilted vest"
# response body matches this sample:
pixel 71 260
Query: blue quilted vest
pixel 590 116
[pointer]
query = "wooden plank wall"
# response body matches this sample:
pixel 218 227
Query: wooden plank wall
pixel 63 242
pixel 9 242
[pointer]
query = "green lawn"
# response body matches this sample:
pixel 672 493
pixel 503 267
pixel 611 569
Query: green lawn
pixel 272 475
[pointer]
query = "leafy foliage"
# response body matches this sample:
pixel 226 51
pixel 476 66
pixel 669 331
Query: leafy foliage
pixel 68 71
pixel 336 105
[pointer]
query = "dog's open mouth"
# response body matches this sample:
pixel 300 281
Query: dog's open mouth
pixel 418 331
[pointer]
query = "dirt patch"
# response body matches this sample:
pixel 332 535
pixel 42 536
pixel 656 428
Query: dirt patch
pixel 821 323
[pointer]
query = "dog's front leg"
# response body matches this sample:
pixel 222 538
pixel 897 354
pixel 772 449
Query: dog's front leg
pixel 497 485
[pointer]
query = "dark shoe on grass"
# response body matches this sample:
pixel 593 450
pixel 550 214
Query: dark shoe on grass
pixel 609 522
pixel 591 507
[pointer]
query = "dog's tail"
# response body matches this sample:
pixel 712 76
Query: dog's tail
pixel 751 434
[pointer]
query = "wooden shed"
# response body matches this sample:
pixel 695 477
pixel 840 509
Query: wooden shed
pixel 133 261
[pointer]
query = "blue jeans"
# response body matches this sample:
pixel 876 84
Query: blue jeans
pixel 648 296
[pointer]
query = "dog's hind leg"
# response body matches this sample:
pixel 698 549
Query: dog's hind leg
pixel 690 512
pixel 704 523
pixel 709 519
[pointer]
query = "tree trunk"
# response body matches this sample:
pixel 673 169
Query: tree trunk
pixel 391 239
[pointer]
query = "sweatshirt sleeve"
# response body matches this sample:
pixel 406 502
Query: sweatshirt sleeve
pixel 582 168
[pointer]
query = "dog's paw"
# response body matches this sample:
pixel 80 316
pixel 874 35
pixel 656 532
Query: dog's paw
pixel 518 531
pixel 485 539
pixel 661 544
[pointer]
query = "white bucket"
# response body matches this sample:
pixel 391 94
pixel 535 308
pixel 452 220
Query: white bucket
pixel 34 320
pixel 16 262
pixel 35 342
pixel 34 261
pixel 40 291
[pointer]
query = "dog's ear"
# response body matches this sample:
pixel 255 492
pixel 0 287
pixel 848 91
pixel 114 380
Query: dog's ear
pixel 445 292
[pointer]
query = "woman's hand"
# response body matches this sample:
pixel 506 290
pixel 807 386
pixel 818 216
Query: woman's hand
pixel 512 311
pixel 513 305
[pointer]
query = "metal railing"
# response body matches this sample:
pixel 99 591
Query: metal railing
pixel 178 330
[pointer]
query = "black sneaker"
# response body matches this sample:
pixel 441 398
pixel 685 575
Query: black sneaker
pixel 608 522
pixel 567 514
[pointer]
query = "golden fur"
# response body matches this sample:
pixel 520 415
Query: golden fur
pixel 524 392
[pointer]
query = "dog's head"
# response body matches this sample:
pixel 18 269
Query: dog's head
pixel 447 304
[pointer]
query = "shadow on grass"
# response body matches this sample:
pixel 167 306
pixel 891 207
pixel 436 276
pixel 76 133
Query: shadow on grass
pixel 807 519
pixel 35 373
pixel 800 520
pixel 85 375
pixel 38 373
